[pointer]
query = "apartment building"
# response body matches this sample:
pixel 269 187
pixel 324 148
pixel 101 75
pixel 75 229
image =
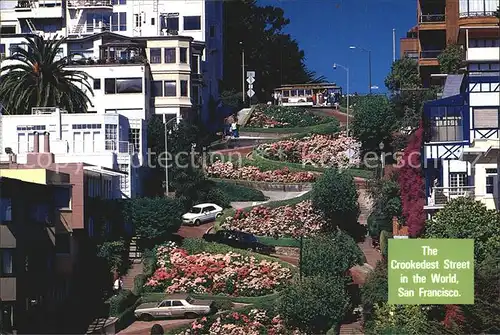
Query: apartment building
pixel 462 143
pixel 76 19
pixel 438 24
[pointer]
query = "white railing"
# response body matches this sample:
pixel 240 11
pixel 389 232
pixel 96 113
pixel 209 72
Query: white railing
pixel 75 147
pixel 440 196
pixel 89 3
pixel 45 110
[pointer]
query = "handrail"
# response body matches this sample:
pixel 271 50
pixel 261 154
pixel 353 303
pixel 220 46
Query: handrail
pixel 432 18
pixel 430 53
pixel 89 3
pixel 442 195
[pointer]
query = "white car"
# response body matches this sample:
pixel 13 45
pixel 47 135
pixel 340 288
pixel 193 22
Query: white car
pixel 179 305
pixel 202 213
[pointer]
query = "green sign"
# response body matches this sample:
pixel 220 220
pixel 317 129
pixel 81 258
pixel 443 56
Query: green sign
pixel 431 271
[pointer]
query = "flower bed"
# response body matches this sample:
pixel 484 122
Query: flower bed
pixel 283 117
pixel 254 322
pixel 318 150
pixel 280 221
pixel 231 273
pixel 228 170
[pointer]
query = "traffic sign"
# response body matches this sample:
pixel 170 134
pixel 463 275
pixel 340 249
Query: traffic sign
pixel 250 80
pixel 250 74
pixel 250 93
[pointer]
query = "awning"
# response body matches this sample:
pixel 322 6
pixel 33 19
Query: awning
pixel 106 171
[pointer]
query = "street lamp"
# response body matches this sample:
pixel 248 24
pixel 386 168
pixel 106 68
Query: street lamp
pixel 176 118
pixel 243 71
pixel 369 64
pixel 382 160
pixel 347 70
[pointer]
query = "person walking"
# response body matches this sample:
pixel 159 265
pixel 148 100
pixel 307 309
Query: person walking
pixel 234 128
pixel 117 285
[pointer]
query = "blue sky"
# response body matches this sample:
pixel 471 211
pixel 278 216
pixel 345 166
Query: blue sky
pixel 326 28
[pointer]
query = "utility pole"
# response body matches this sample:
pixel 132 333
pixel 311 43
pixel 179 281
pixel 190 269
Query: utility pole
pixel 243 71
pixel 393 45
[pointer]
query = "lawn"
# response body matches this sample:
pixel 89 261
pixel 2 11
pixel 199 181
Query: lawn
pixel 235 192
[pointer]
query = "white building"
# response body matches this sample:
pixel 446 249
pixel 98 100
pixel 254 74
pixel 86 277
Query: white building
pixel 199 19
pixel 462 144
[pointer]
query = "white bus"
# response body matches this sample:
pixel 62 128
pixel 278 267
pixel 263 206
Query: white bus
pixel 313 95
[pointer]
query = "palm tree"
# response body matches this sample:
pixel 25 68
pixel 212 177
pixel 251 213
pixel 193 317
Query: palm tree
pixel 34 78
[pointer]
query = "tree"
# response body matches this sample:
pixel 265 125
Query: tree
pixel 411 184
pixel 466 218
pixel 451 59
pixel 330 255
pixel 398 319
pixel 334 194
pixel 374 291
pixel 404 75
pixel 314 305
pixel 273 55
pixel 373 122
pixel 154 219
pixel 35 78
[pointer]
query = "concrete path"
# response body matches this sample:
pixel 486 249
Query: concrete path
pixel 272 195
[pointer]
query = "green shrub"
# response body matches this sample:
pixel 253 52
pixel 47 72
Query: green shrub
pixel 293 116
pixel 384 237
pixel 235 192
pixel 223 305
pixel 217 196
pixel 127 317
pixel 149 262
pixel 120 302
pixel 139 282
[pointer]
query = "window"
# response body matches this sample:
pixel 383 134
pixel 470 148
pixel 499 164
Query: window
pixel 157 88
pixel 134 138
pixel 110 136
pixel 86 126
pixel 177 303
pixel 484 43
pixel 7 262
pixel 90 227
pixel 62 197
pixel 170 88
pixel 2 51
pixel 183 55
pixel 184 88
pixel 165 303
pixel 491 176
pixel 129 85
pixel 484 67
pixel 446 124
pixel 5 210
pixel 170 55
pixel 484 87
pixel 123 21
pixel 152 21
pixel 485 118
pixel 155 55
pixel 40 213
pixel 137 20
pixel 97 83
pixel 195 94
pixel 123 177
pixel 110 86
pixel 173 23
pixel 192 23
pixel 63 244
pixel 195 68
pixel 457 180
pixel 212 31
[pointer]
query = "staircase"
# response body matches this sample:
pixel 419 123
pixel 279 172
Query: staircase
pixel 135 256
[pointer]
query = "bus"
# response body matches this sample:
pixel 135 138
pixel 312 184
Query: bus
pixel 312 95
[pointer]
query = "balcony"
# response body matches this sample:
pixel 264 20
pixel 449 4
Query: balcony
pixel 430 54
pixel 90 4
pixel 440 196
pixel 432 18
pixel 42 9
pixel 412 54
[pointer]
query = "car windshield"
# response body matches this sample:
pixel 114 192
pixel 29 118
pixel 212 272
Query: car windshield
pixel 189 300
pixel 195 210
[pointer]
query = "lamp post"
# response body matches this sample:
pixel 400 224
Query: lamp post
pixel 369 64
pixel 382 160
pixel 243 71
pixel 176 118
pixel 347 70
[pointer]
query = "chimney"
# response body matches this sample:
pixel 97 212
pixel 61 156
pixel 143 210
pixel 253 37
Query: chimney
pixel 46 142
pixel 36 142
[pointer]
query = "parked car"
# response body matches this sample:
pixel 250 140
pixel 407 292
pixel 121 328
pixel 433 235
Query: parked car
pixel 202 213
pixel 180 305
pixel 239 239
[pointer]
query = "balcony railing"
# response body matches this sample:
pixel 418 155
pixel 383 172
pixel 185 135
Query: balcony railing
pixel 77 147
pixel 413 54
pixel 440 196
pixel 89 3
pixel 432 18
pixel 45 110
pixel 430 53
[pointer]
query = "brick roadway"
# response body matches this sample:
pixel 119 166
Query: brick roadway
pixel 341 117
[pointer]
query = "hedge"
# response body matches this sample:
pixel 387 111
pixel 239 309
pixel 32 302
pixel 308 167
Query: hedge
pixel 157 297
pixel 321 129
pixel 235 192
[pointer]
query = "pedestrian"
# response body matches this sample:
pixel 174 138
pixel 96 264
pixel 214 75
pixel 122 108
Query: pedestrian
pixel 234 128
pixel 117 285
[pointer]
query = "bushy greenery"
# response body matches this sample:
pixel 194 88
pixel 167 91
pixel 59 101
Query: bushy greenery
pixel 451 59
pixel 466 218
pixel 139 282
pixel 115 253
pixel 154 219
pixel 386 198
pixel 235 192
pixel 120 302
pixel 334 194
pixel 374 291
pixel 404 75
pixel 314 305
pixel 292 116
pixel 384 241
pixel 330 255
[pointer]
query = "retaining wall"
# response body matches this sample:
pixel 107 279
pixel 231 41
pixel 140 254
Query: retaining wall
pixel 268 186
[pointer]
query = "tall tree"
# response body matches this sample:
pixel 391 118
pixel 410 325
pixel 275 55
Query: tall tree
pixel 35 78
pixel 451 59
pixel 273 55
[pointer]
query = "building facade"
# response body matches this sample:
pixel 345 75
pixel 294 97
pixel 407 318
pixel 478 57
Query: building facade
pixel 439 23
pixel 462 138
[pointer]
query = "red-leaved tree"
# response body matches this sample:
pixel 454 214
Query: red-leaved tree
pixel 412 185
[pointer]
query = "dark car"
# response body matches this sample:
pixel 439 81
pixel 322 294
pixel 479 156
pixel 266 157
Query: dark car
pixel 239 239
